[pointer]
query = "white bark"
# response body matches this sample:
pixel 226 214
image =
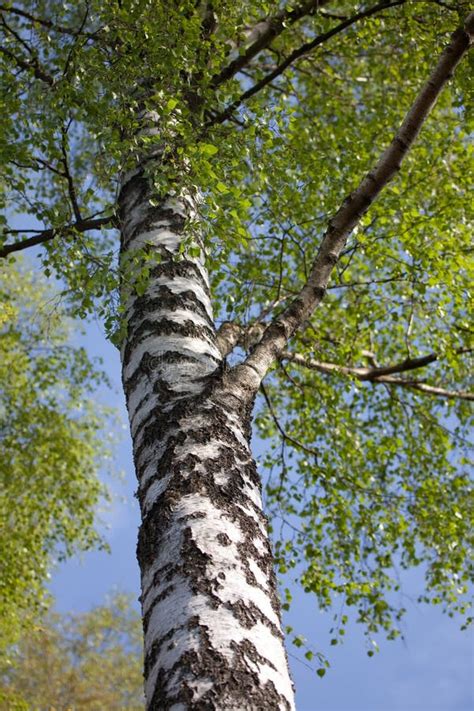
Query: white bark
pixel 213 638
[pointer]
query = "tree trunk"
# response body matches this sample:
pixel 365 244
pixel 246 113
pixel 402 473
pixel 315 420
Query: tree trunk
pixel 210 606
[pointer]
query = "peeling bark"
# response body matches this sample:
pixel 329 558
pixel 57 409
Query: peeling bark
pixel 210 606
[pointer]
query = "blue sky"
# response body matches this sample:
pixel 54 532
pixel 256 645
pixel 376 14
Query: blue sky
pixel 432 670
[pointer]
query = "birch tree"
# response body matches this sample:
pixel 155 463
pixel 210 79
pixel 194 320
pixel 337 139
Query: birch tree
pixel 286 250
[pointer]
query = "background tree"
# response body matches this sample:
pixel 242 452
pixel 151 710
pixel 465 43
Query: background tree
pixel 83 662
pixel 235 130
pixel 51 438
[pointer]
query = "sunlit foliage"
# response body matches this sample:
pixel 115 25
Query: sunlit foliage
pixel 51 444
pixel 365 477
pixel 87 662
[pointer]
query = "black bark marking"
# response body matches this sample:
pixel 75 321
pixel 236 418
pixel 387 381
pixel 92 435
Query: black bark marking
pixel 184 268
pixel 235 684
pixel 148 365
pixel 226 480
pixel 164 299
pixel 161 596
pixel 133 193
pixel 154 431
pixel 156 217
pixel 156 648
pixel 166 327
pixel 248 614
pixel 246 648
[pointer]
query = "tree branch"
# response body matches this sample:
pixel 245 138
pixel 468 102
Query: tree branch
pixel 67 173
pixel 227 337
pixel 26 64
pixel 29 65
pixel 43 236
pixel 284 435
pixel 407 364
pixel 44 23
pixel 349 214
pixel 44 164
pixel 296 54
pixel 268 30
pixel 433 390
pixel 381 375
pixel 231 334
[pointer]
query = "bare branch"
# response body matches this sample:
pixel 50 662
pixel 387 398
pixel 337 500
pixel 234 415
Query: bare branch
pixel 432 390
pixel 349 214
pixel 38 163
pixel 353 284
pixel 360 373
pixel 407 364
pixel 74 44
pixel 268 30
pixel 381 375
pixel 296 54
pixel 43 236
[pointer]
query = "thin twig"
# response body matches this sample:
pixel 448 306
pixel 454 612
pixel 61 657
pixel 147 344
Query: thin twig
pixel 43 236
pixel 295 442
pixel 268 30
pixel 296 54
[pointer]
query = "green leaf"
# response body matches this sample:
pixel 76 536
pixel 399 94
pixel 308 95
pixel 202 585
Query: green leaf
pixel 207 149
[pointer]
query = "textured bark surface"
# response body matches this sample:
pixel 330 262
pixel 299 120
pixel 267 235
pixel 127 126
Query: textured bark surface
pixel 212 629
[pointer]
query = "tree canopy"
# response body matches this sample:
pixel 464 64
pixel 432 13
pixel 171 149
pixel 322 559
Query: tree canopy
pixel 52 445
pixel 87 661
pixel 273 114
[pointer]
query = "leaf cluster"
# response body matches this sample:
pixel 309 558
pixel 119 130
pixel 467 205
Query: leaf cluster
pixel 87 661
pixel 367 477
pixel 52 444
